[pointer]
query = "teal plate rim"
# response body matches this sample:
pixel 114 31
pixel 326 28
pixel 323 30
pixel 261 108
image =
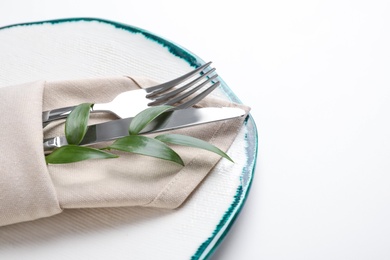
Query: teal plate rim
pixel 208 247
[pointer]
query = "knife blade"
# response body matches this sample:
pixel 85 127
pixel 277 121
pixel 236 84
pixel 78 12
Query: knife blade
pixel 176 119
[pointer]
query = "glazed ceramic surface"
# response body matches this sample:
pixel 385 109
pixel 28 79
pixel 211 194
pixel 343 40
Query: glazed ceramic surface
pixel 87 48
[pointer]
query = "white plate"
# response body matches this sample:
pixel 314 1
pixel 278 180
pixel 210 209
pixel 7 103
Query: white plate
pixel 86 48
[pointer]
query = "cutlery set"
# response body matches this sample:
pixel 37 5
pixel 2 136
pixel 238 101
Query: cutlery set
pixel 181 93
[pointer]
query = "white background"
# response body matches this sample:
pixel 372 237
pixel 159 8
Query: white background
pixel 316 74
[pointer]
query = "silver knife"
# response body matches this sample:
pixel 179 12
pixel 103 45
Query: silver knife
pixel 115 129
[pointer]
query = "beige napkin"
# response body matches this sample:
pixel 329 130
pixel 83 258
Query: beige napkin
pixel 30 189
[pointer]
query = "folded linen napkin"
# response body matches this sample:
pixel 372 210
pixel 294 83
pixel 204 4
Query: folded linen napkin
pixel 30 189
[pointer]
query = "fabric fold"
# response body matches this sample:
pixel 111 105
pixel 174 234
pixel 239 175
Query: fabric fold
pixel 26 189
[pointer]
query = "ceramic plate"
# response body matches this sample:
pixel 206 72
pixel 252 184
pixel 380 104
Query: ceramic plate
pixel 87 48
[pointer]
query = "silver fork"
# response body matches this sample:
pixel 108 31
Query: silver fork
pixel 130 103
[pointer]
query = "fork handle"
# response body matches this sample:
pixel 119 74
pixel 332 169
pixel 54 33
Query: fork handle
pixel 55 114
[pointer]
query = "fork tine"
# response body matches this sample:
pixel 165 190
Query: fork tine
pixel 199 97
pixel 166 96
pixel 188 93
pixel 170 84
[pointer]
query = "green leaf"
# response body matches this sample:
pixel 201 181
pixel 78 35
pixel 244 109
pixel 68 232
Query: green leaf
pixel 146 146
pixel 77 123
pixel 74 153
pixel 142 119
pixel 192 142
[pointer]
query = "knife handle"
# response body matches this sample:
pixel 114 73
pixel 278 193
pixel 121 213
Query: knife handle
pixel 55 142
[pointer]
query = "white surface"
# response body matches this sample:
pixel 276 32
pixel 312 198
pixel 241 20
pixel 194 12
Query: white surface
pixel 320 68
